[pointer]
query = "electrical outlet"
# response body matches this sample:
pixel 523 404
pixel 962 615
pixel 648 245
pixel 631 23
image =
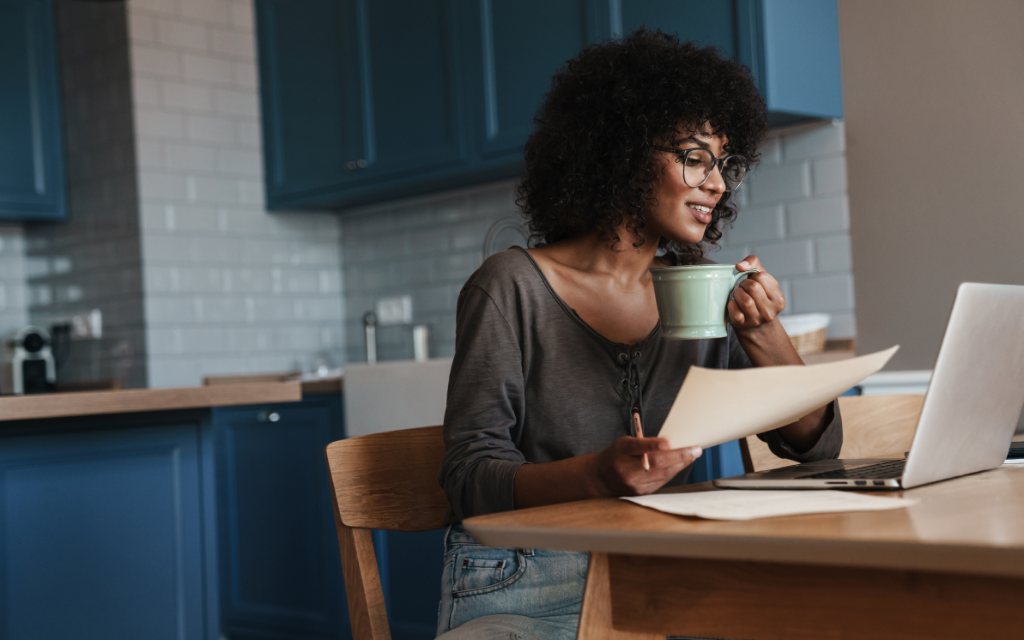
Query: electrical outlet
pixel 396 310
pixel 87 325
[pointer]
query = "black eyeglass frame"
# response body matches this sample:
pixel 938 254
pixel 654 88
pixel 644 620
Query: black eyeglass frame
pixel 715 162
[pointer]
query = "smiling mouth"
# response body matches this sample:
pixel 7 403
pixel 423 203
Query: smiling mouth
pixel 700 212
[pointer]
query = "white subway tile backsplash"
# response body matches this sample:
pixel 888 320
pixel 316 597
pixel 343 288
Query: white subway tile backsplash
pixel 182 36
pixel 236 103
pixel 787 259
pixel 819 140
pixel 823 293
pixel 205 11
pixel 773 184
pixel 189 97
pixel 188 157
pixel 233 44
pixel 242 15
pixel 159 62
pixel 146 91
pixel 159 124
pixel 141 27
pixel 817 216
pixel 245 74
pixel 243 162
pixel 843 325
pixel 205 68
pixel 830 175
pixel 833 254
pixel 756 225
pixel 209 129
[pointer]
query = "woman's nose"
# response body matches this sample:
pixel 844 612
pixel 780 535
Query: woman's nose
pixel 715 182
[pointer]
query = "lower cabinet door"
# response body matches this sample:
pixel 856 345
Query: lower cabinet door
pixel 280 568
pixel 102 535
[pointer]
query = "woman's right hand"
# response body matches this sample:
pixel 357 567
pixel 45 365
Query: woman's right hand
pixel 619 469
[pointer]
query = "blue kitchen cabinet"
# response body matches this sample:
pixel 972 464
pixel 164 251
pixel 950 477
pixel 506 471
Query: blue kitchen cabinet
pixel 790 46
pixel 31 138
pixel 719 461
pixel 310 95
pixel 515 47
pixel 105 528
pixel 280 571
pixel 366 100
pixel 359 98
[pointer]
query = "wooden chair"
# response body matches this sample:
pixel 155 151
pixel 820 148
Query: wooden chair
pixel 879 426
pixel 381 481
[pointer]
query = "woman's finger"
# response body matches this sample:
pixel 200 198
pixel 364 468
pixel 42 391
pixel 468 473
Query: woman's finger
pixel 673 457
pixel 748 263
pixel 746 302
pixel 735 314
pixel 765 307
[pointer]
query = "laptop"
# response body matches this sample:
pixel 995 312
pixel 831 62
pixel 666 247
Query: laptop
pixel 969 414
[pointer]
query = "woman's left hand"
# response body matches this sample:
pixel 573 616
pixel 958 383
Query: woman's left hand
pixel 757 300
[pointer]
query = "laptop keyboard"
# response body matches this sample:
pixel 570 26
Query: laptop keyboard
pixel 880 470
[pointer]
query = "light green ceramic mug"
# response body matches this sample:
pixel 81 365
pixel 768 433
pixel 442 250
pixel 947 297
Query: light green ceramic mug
pixel 692 299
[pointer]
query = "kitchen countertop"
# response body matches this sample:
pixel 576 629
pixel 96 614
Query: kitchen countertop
pixel 88 403
pixel 310 386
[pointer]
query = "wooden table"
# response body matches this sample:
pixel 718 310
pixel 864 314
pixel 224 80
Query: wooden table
pixel 951 566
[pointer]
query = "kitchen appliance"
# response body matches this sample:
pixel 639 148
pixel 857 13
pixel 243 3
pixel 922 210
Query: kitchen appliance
pixel 29 366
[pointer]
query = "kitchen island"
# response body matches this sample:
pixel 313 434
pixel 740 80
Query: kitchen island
pixel 114 504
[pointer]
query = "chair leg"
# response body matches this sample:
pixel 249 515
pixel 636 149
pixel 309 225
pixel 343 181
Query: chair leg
pixel 596 616
pixel 366 610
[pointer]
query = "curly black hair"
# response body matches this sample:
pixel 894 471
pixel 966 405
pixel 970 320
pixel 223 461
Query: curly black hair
pixel 589 162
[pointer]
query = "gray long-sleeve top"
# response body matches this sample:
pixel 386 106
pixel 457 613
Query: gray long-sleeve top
pixel 531 382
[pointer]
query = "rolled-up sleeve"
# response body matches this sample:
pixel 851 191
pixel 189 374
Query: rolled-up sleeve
pixel 486 404
pixel 829 442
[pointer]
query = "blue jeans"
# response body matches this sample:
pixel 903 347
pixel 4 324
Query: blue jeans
pixel 531 594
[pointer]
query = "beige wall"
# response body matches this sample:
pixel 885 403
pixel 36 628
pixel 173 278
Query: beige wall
pixel 934 108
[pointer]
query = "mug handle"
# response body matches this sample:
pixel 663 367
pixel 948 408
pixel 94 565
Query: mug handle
pixel 748 272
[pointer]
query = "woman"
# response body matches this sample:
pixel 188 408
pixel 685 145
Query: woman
pixel 637 149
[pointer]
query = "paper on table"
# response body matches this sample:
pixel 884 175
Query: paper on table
pixel 747 505
pixel 719 405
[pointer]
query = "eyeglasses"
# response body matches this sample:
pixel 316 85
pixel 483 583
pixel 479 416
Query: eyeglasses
pixel 698 163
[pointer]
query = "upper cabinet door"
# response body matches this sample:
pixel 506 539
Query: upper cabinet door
pixel 411 87
pixel 790 46
pixel 310 96
pixel 709 23
pixel 31 140
pixel 516 47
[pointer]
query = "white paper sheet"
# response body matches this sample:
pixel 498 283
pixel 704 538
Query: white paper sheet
pixel 731 504
pixel 719 405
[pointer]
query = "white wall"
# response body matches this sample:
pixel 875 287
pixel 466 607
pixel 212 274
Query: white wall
pixel 933 97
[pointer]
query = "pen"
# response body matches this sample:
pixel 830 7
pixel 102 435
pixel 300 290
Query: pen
pixel 640 434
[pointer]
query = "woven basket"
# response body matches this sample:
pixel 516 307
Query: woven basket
pixel 808 343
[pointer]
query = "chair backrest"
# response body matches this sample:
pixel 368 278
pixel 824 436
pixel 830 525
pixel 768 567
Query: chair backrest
pixel 879 426
pixel 381 481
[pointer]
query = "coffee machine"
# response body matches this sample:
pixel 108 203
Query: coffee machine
pixel 29 366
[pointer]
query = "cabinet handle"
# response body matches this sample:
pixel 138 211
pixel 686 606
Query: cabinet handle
pixel 268 416
pixel 353 165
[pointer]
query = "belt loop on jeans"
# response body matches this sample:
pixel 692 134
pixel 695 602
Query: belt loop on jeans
pixel 527 552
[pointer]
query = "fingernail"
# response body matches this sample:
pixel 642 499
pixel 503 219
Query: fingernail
pixel 743 264
pixel 696 451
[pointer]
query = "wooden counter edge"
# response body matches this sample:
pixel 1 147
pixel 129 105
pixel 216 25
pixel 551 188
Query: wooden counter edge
pixel 90 403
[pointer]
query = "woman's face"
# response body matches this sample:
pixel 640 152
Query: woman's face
pixel 682 212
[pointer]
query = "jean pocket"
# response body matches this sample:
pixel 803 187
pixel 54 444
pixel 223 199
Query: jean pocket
pixel 485 569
